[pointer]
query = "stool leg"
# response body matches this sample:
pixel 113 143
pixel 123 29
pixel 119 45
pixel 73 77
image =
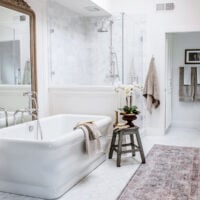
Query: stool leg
pixel 119 150
pixel 132 144
pixel 140 147
pixel 112 145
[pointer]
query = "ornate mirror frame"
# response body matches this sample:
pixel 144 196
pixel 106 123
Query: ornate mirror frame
pixel 22 6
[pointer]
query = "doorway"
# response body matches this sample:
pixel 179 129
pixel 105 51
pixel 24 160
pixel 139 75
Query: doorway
pixel 178 113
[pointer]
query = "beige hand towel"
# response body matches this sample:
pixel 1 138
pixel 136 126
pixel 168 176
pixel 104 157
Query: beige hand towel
pixel 196 74
pixel 151 89
pixel 187 92
pixel 92 137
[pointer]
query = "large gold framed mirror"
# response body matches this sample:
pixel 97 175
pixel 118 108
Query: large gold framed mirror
pixel 18 70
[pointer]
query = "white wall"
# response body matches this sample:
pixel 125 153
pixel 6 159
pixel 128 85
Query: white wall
pixel 97 100
pixel 168 81
pixel 83 100
pixel 184 18
pixel 184 113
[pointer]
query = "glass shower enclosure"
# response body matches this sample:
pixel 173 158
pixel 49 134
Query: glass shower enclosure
pixel 94 50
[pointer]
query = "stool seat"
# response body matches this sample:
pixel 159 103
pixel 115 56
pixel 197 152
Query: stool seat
pixel 131 131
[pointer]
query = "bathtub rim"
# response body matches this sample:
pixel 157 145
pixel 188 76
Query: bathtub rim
pixel 57 141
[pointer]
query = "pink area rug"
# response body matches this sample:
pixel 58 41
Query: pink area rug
pixel 170 173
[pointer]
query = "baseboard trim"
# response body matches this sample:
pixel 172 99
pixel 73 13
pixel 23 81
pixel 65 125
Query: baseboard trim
pixel 149 131
pixel 184 124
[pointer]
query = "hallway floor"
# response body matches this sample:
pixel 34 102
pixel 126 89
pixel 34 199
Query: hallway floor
pixel 107 181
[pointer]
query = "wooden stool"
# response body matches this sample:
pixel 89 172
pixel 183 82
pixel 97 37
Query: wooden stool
pixel 118 148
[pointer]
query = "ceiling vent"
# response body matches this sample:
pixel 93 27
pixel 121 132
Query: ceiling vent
pixel 92 9
pixel 169 6
pixel 160 6
pixel 165 6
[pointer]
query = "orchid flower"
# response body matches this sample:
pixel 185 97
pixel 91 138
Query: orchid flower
pixel 128 91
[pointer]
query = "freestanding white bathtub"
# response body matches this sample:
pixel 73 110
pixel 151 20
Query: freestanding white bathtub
pixel 48 168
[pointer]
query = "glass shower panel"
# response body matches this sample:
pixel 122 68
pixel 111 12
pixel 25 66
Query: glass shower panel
pixel 67 45
pixel 83 50
pixel 94 50
pixel 105 44
pixel 135 51
pixel 117 47
pixel 98 47
pixel 134 48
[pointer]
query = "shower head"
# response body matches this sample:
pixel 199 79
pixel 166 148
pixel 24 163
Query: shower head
pixel 105 26
pixel 102 30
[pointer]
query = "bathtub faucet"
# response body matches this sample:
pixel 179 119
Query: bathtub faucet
pixel 22 111
pixel 33 112
pixel 6 115
pixel 32 99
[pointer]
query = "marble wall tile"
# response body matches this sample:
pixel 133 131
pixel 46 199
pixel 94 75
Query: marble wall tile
pixel 80 55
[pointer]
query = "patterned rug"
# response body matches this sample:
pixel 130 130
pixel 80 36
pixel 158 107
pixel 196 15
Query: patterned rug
pixel 170 173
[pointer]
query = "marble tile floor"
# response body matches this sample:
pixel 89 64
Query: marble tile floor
pixel 107 181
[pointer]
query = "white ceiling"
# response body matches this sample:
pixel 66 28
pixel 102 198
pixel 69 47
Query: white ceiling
pixel 79 6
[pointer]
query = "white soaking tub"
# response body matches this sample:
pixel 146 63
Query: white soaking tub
pixel 48 168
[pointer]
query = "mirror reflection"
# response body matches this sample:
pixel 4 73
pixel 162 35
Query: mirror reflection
pixel 15 67
pixel 14 47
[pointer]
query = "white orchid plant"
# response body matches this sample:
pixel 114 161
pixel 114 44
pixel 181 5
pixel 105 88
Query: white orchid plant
pixel 128 91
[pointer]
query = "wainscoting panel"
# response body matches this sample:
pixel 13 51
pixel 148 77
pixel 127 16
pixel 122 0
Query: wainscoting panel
pixel 11 97
pixel 83 100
